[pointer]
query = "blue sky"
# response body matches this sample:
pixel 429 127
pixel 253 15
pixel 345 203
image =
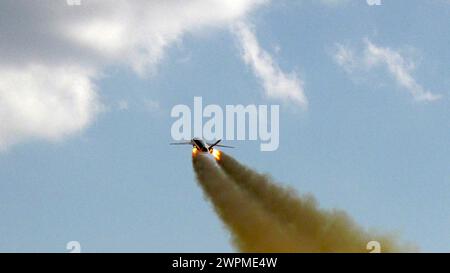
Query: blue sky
pixel 92 163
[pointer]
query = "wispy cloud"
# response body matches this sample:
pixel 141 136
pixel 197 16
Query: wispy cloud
pixel 277 84
pixel 334 2
pixel 399 68
pixel 122 105
pixel 395 63
pixel 344 57
pixel 151 105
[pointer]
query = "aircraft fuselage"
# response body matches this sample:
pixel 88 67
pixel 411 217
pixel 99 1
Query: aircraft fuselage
pixel 200 145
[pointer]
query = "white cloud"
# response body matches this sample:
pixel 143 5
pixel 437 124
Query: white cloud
pixel 44 102
pixel 276 83
pixel 396 64
pixel 42 94
pixel 138 32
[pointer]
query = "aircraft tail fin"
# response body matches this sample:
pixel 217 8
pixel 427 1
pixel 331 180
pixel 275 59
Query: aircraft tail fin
pixel 219 145
pixel 214 144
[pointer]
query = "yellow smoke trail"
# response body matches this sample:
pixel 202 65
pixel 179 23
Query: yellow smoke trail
pixel 318 230
pixel 252 229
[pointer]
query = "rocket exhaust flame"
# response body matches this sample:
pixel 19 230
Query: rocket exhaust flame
pixel 216 154
pixel 263 216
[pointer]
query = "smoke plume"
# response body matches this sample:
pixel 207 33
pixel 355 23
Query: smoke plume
pixel 252 228
pixel 263 216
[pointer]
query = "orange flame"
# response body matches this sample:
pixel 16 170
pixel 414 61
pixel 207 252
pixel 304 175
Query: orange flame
pixel 216 154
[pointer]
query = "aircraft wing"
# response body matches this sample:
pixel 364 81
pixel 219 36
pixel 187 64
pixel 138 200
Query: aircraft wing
pixel 181 143
pixel 226 146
